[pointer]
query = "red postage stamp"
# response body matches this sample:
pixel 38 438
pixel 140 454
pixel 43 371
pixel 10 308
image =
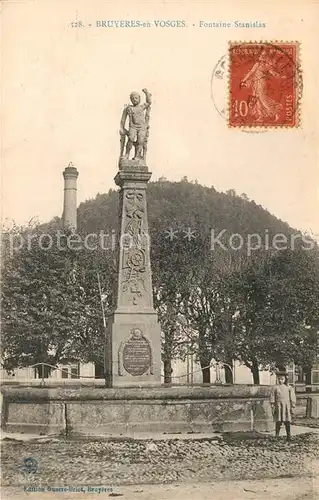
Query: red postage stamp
pixel 264 84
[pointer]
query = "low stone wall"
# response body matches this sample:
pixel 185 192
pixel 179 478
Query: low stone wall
pixel 124 411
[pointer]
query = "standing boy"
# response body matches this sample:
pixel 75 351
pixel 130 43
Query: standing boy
pixel 283 402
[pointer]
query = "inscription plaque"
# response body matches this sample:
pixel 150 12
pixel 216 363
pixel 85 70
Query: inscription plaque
pixel 137 354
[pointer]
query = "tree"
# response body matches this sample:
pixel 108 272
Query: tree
pixel 278 304
pixel 50 301
pixel 291 325
pixel 251 290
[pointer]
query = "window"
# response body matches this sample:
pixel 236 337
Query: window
pixel 299 376
pixel 75 371
pixel 98 370
pixel 291 373
pixel 315 374
pixel 71 371
pixel 41 371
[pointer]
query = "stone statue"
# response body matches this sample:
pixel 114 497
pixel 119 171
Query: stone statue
pixel 138 131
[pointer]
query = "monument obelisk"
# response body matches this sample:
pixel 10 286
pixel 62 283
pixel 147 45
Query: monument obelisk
pixel 133 337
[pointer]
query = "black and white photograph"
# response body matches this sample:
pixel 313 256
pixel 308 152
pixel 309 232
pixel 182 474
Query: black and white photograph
pixel 159 250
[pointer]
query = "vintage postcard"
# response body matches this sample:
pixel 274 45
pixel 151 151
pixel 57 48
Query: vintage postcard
pixel 159 258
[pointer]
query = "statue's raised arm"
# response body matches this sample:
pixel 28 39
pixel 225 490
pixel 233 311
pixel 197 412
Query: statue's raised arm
pixel 148 98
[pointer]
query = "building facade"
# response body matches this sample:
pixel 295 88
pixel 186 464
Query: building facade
pixel 184 372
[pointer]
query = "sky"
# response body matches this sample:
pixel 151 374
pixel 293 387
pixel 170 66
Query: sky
pixel 64 88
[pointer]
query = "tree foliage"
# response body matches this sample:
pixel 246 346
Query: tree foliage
pixel 51 309
pixel 258 307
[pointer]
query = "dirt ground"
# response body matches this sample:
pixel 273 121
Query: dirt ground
pixel 233 466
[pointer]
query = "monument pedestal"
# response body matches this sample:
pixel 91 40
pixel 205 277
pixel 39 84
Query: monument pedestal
pixel 134 356
pixel 133 337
